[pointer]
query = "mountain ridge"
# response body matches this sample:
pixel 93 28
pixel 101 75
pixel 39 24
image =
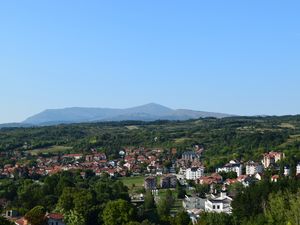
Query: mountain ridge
pixel 147 112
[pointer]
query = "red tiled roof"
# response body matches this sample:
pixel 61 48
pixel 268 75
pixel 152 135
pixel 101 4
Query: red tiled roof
pixel 20 221
pixel 55 216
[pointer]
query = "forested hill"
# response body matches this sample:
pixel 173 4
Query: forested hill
pixel 236 137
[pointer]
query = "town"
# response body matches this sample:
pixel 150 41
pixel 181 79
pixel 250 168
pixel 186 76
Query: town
pixel 155 170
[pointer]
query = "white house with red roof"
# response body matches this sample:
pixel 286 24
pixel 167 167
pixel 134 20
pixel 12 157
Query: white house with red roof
pixel 55 219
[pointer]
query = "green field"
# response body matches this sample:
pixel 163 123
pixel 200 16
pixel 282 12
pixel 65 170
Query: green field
pixel 132 127
pixel 52 149
pixel 134 184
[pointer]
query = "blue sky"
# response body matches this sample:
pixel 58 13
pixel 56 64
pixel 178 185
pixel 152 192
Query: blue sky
pixel 240 57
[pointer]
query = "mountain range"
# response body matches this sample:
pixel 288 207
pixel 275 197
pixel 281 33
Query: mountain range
pixel 148 112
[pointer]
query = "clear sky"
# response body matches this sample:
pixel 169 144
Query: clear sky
pixel 240 57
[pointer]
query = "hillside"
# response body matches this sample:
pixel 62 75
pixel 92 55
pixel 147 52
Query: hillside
pixel 237 137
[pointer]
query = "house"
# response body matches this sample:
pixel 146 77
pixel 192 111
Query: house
pixel 271 158
pixel 150 183
pixel 99 156
pixel 168 181
pixel 246 180
pixel 21 221
pixel 218 204
pixel 189 155
pixel 208 180
pixel 190 203
pixel 258 176
pixel 287 171
pixel 73 156
pixel 89 158
pixel 11 213
pixel 55 219
pixel 194 173
pixel 253 168
pixel 232 166
pixel 159 171
pixel 298 169
pixel 275 178
pixel 230 181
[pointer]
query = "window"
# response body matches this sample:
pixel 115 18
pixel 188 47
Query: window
pixel 218 207
pixel 214 206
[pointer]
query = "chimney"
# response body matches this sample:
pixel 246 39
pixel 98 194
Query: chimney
pixel 223 194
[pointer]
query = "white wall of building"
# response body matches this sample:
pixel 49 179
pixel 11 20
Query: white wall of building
pixel 194 173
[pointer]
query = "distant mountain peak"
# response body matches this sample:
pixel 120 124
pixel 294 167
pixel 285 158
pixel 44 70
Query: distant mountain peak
pixel 148 112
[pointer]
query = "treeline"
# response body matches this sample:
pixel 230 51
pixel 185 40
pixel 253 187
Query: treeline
pixel 90 200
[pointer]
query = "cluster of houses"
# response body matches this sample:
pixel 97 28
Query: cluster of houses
pixel 191 169
pixel 150 162
pixel 217 203
pixel 131 161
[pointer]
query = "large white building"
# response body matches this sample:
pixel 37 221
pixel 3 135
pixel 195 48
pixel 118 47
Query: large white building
pixel 194 173
pixel 218 204
pixel 253 168
pixel 232 166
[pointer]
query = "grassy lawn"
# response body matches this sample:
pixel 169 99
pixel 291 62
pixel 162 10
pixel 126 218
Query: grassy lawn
pixel 133 183
pixel 52 149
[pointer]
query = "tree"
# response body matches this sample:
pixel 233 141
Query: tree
pixel 283 208
pixel 293 214
pixel 74 218
pixel 149 203
pixel 215 218
pixel 4 221
pixel 180 191
pixel 276 213
pixel 36 216
pixel 117 212
pixel 133 223
pixel 181 218
pixel 202 190
pixel 30 194
pixel 65 202
pixel 79 200
pixel 164 206
pixel 228 175
pixel 150 211
pixel 146 222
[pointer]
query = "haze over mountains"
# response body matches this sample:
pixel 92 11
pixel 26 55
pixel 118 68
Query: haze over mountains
pixel 148 112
